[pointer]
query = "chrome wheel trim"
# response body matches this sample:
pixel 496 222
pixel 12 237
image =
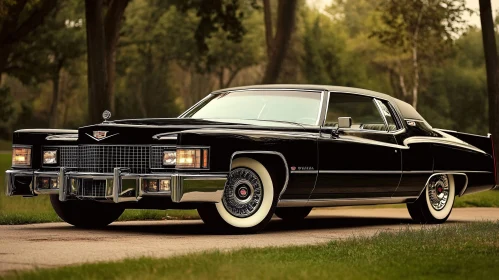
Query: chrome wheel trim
pixel 438 192
pixel 236 204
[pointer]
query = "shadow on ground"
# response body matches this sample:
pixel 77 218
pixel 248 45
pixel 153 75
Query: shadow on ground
pixel 276 225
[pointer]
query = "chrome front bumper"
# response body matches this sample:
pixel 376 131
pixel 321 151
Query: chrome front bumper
pixel 120 186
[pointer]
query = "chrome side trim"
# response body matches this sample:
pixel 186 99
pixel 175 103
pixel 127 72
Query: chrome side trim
pixel 444 141
pixel 271 153
pixel 360 171
pixel 354 139
pixel 461 171
pixel 304 172
pixel 343 201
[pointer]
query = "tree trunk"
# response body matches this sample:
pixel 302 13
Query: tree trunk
pixel 55 96
pixel 113 20
pixel 492 65
pixel 269 32
pixel 96 60
pixel 285 24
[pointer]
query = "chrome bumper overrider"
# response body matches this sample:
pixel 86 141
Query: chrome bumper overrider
pixel 120 186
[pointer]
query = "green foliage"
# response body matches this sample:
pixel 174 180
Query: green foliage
pixel 172 53
pixel 459 251
pixel 6 108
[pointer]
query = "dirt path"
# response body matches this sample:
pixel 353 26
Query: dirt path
pixel 55 244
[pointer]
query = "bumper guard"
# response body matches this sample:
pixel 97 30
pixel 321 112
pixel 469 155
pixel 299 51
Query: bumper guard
pixel 120 186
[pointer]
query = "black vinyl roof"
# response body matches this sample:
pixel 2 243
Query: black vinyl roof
pixel 405 109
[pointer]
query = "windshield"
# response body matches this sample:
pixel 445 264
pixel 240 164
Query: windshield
pixel 270 105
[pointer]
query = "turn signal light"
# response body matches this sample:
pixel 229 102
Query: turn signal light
pixel 192 158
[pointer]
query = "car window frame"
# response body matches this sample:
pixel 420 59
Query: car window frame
pixel 393 110
pixel 354 129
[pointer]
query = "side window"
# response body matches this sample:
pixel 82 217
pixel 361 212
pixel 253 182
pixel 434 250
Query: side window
pixel 362 110
pixel 392 125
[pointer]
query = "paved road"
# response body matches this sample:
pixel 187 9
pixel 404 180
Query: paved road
pixel 55 244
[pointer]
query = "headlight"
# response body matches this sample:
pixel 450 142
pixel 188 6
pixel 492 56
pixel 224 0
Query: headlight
pixel 50 157
pixel 21 156
pixel 192 158
pixel 169 157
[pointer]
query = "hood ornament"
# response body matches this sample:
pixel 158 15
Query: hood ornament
pixel 106 115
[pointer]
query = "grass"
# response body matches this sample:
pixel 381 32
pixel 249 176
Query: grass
pixel 465 251
pixel 20 210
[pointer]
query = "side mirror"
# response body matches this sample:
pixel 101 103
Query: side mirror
pixel 344 122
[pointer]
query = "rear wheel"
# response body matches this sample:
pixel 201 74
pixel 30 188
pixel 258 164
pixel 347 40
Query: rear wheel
pixel 434 206
pixel 248 202
pixel 293 214
pixel 86 214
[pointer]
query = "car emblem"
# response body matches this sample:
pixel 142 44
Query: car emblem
pixel 100 134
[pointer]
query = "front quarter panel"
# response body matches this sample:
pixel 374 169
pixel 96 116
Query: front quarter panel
pixel 298 148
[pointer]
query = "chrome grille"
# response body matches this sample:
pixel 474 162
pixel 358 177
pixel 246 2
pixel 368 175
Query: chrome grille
pixel 103 159
pixel 69 156
pixel 92 188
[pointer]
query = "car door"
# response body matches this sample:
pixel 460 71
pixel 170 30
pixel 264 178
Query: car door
pixel 363 160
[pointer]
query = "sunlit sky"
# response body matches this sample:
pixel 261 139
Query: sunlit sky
pixel 473 4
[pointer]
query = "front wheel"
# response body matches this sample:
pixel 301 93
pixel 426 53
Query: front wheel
pixel 435 203
pixel 86 214
pixel 249 199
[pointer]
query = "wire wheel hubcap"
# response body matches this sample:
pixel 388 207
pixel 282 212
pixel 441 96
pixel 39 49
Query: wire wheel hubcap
pixel 438 191
pixel 243 193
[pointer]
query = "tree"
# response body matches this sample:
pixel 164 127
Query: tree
pixel 492 67
pixel 102 38
pixel 17 20
pixel 278 46
pixel 417 31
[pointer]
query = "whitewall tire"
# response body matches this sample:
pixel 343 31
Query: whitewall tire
pixel 435 204
pixel 249 198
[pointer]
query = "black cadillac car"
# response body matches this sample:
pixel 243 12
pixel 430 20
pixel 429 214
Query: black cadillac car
pixel 243 154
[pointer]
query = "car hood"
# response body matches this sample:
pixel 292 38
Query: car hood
pixel 145 131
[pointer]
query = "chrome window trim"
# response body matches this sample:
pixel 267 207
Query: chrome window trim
pixel 271 153
pixel 380 111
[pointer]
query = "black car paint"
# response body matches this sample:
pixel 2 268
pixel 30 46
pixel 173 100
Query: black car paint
pixel 375 164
